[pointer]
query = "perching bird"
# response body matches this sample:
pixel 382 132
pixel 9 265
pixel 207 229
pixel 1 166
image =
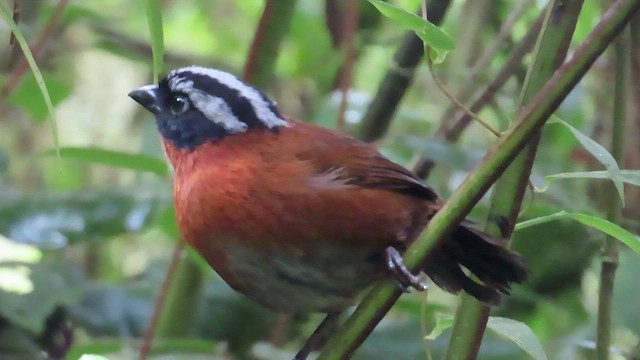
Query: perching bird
pixel 296 217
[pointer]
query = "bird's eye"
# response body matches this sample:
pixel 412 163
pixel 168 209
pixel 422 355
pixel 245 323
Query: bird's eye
pixel 178 104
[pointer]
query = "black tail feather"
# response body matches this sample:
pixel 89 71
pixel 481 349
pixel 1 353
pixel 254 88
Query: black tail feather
pixel 484 256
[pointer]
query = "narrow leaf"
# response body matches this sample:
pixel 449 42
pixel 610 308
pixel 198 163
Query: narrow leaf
pixel 137 162
pixel 599 153
pixel 431 35
pixel 154 19
pixel 34 69
pixel 631 177
pixel 520 334
pixel 595 222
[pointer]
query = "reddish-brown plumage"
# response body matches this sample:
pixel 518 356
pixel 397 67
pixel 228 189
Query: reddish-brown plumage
pixel 288 191
pixel 295 216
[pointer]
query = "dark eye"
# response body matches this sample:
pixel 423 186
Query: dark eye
pixel 178 104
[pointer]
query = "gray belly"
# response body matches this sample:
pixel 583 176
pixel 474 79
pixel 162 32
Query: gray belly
pixel 323 281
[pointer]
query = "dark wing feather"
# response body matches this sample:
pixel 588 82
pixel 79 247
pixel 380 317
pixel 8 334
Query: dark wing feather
pixel 356 163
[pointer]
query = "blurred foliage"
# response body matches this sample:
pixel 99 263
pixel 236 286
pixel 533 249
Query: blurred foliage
pixel 89 235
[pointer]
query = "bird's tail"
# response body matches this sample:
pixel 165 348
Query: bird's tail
pixel 484 256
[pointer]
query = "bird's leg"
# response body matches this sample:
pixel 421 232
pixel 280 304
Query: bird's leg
pixel 319 337
pixel 406 280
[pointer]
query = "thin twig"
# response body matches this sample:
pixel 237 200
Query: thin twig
pixel 13 49
pixel 451 130
pixel 37 49
pixel 149 334
pixel 453 99
pixel 350 25
pixel 471 83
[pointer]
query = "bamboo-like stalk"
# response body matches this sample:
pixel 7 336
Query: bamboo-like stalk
pixel 158 306
pixel 552 46
pixel 182 300
pixel 398 78
pixel 273 26
pixel 529 121
pixel 609 259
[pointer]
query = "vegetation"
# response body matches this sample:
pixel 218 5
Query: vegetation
pixel 91 263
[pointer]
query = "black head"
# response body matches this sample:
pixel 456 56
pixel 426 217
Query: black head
pixel 193 105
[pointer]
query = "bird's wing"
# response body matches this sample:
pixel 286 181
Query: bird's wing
pixel 352 162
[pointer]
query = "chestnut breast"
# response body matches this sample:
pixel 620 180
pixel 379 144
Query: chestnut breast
pixel 277 229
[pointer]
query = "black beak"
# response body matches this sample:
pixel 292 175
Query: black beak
pixel 147 96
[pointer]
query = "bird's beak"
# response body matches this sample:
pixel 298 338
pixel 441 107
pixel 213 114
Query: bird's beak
pixel 147 96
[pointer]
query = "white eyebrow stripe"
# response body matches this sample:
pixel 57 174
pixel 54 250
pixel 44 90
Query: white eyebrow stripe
pixel 214 108
pixel 218 111
pixel 258 103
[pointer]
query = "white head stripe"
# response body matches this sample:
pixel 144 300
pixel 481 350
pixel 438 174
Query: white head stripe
pixel 259 104
pixel 218 111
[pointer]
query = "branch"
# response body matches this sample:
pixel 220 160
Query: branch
pixel 350 25
pixel 609 259
pixel 273 26
pixel 530 120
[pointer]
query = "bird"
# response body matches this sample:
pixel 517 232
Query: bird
pixel 299 218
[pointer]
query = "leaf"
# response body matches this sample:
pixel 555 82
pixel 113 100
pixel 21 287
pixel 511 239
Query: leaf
pixel 8 18
pixel 137 162
pixel 595 222
pixel 25 96
pixel 631 177
pixel 599 153
pixel 431 35
pixel 519 333
pixel 154 19
pixel 54 284
pixel 626 312
pixel 52 221
pixel 442 324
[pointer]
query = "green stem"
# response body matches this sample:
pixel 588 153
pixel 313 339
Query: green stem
pixel 551 49
pixel 530 120
pixel 182 298
pixel 614 209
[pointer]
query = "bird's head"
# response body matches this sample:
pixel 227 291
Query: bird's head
pixel 194 105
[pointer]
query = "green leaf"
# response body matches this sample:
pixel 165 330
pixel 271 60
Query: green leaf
pixel 519 333
pixel 599 153
pixel 631 177
pixel 53 284
pixel 137 162
pixel 154 19
pixel 8 17
pixel 442 324
pixel 595 222
pixel 25 96
pixel 432 36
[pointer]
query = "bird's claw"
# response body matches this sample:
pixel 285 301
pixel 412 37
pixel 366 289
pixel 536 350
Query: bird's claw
pixel 406 280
